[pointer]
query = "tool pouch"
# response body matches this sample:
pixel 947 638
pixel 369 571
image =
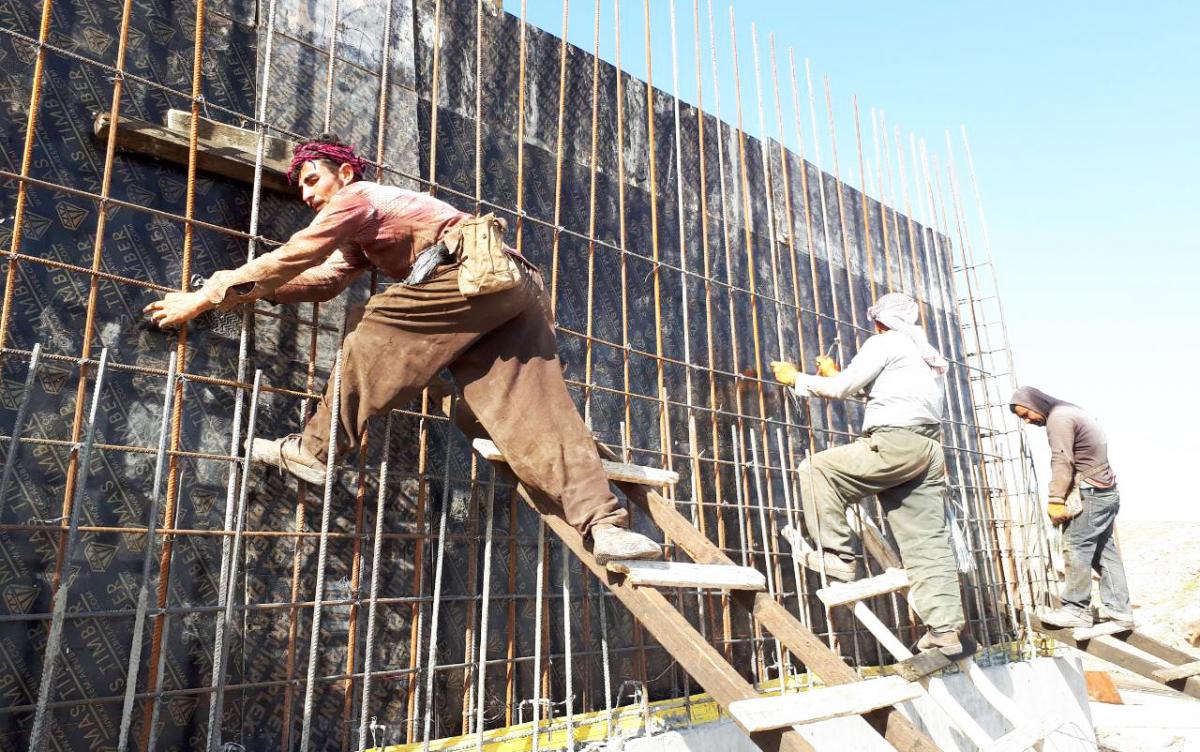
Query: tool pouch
pixel 484 266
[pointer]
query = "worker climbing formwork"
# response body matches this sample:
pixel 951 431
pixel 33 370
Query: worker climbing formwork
pixel 899 457
pixel 467 302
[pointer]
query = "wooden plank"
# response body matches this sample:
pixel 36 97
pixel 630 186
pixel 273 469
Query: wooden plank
pixel 922 664
pixel 1117 652
pixel 670 628
pixel 1168 675
pixel 799 640
pixel 619 472
pixel 1103 628
pixel 873 538
pixel 683 574
pixel 821 704
pixel 277 152
pixel 1100 687
pixel 1019 740
pixel 165 143
pixel 849 592
pixel 1168 653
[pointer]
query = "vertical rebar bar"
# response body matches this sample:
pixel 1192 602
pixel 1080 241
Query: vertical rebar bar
pixel 364 707
pixel 37 732
pixel 314 643
pixel 435 610
pixel 139 621
pixel 225 618
pixel 14 443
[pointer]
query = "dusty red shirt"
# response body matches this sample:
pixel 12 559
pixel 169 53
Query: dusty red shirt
pixel 365 225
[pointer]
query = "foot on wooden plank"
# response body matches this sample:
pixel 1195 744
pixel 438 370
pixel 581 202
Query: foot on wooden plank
pixel 933 660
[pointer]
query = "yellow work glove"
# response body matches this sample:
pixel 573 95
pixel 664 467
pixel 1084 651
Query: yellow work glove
pixel 826 366
pixel 785 372
pixel 1057 511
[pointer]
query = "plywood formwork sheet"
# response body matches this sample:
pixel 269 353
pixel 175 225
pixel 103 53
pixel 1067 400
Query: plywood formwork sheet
pixel 736 284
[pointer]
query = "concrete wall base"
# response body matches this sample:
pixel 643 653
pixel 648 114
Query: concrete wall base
pixel 1050 688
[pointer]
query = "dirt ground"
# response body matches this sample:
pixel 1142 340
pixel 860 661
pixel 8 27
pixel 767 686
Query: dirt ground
pixel 1162 563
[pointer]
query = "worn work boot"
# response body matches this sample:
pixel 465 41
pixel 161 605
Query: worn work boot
pixel 290 455
pixel 1065 618
pixel 949 642
pixel 836 568
pixel 612 543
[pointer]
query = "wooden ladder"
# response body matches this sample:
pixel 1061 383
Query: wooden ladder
pixel 919 669
pixel 1133 651
pixel 770 722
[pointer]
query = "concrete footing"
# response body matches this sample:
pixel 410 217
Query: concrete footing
pixel 1052 689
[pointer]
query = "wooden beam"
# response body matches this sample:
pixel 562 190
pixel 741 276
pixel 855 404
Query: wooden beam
pixel 822 704
pixel 683 574
pixel 618 472
pixel 1119 653
pixel 859 590
pixel 1161 650
pixel 219 157
pixel 1168 675
pixel 672 630
pixel 899 731
pixel 277 152
pixel 873 539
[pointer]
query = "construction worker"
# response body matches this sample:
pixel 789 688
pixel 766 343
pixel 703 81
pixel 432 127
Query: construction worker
pixel 499 346
pixel 899 457
pixel 1084 501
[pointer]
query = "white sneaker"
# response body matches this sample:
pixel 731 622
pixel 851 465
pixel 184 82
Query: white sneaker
pixel 289 454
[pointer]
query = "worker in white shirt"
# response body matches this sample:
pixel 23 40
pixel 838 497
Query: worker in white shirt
pixel 898 457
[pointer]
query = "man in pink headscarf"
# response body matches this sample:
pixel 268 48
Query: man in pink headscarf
pixel 898 457
pixel 499 346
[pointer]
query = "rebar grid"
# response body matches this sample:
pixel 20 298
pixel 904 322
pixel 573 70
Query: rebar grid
pixel 757 245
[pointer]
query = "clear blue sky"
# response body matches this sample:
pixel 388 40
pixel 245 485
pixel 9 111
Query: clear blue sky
pixel 1084 123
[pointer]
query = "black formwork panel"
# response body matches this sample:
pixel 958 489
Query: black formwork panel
pixel 732 435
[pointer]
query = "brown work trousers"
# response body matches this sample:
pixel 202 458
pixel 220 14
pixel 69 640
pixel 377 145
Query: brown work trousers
pixel 501 350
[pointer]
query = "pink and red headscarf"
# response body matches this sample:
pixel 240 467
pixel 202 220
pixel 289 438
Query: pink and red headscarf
pixel 337 153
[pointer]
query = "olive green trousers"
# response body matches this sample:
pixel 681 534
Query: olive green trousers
pixel 906 469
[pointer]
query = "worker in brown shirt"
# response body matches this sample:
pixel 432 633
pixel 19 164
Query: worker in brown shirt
pixel 1084 501
pixel 500 347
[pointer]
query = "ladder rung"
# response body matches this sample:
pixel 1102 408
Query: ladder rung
pixel 1104 628
pixel 1176 673
pixel 849 592
pixel 855 698
pixel 619 471
pixel 684 574
pixel 1020 739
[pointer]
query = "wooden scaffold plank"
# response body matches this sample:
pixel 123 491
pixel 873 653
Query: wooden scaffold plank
pixel 859 590
pixel 684 574
pixel 821 704
pixel 619 472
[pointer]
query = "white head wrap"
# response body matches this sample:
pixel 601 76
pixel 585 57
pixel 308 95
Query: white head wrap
pixel 898 312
